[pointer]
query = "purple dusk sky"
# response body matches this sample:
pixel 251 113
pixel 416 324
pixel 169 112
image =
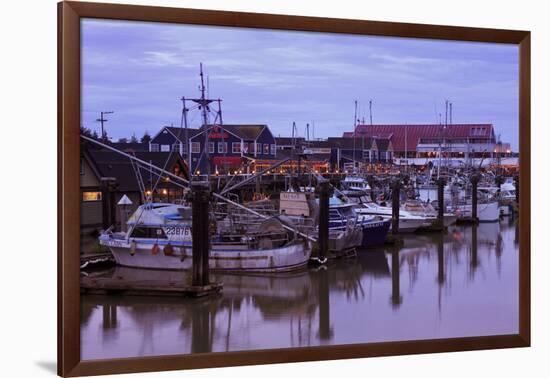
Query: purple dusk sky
pixel 141 70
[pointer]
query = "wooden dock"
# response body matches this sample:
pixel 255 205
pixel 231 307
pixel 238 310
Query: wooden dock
pixel 104 285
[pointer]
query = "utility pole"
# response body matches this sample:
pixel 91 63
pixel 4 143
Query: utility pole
pixel 102 120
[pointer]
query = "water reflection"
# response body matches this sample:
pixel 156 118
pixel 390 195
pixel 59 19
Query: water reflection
pixel 461 283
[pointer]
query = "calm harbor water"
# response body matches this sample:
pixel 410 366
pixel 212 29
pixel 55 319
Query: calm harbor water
pixel 462 283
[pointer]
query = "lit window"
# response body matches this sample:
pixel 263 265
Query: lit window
pixel 236 147
pixel 266 149
pixel 165 148
pixel 222 147
pixel 273 149
pixel 91 196
pixel 195 147
pixel 154 147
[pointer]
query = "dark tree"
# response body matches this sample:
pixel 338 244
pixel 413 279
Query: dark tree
pixel 146 138
pixel 134 139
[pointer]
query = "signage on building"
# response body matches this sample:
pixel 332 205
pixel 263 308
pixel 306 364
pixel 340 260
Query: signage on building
pixel 311 151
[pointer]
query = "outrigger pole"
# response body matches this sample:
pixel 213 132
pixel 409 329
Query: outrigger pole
pixel 178 178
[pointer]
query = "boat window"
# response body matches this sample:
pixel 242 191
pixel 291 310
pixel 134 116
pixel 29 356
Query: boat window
pixel 148 232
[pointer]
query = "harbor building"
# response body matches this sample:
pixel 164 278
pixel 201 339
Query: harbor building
pixel 456 143
pixel 231 148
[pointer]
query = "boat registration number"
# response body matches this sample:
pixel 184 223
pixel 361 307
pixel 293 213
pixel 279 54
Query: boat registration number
pixel 177 231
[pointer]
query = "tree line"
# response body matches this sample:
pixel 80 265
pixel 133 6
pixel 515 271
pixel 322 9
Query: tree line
pixel 146 138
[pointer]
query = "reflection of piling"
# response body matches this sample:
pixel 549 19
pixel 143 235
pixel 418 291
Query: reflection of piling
pixel 200 193
pixel 474 180
pixel 324 191
pixel 325 333
pixel 440 261
pixel 109 316
pixel 473 251
pixel 440 201
pixel 396 298
pixel 200 330
pixel 396 186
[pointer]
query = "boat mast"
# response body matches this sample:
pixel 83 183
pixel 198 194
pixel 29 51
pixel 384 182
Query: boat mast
pixel 204 110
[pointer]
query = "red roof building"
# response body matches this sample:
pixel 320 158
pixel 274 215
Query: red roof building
pixel 421 138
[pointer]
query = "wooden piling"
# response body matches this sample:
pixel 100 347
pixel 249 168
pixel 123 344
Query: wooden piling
pixel 324 191
pixel 200 198
pixel 474 179
pixel 440 201
pixel 396 186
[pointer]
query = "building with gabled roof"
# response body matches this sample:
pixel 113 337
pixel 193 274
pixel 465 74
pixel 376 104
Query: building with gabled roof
pixel 424 140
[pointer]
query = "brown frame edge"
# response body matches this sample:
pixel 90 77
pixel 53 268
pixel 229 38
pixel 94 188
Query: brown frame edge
pixel 69 14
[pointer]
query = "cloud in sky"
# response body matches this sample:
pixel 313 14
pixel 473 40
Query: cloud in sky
pixel 141 70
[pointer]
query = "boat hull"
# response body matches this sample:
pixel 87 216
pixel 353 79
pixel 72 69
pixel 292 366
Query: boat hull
pixel 486 212
pixel 144 255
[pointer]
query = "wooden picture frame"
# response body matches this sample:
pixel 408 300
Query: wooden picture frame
pixel 69 16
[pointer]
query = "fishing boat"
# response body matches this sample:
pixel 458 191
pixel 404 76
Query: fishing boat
pixel 426 210
pixel 374 229
pixel 159 237
pixel 355 182
pixel 408 222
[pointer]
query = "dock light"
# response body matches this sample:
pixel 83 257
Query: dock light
pixel 253 172
pixel 198 172
pixel 217 173
pixel 148 192
pixel 164 191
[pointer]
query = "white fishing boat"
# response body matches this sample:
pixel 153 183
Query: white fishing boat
pixel 487 211
pixel 426 210
pixel 159 237
pixel 408 222
pixel 354 182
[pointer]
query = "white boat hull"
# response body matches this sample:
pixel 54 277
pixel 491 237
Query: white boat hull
pixel 486 212
pixel 290 257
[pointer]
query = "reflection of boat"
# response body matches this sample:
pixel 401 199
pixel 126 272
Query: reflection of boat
pixel 159 237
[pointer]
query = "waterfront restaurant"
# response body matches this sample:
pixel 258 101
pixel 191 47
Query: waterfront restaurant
pixel 232 149
pixel 420 143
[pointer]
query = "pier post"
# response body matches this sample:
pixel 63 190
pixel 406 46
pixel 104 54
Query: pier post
pixel 200 199
pixel 440 201
pixel 108 201
pixel 371 181
pixel 324 192
pixel 474 179
pixel 396 186
pixel 516 184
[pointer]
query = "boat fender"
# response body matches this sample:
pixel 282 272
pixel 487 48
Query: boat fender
pixel 168 250
pixel 155 250
pixel 133 247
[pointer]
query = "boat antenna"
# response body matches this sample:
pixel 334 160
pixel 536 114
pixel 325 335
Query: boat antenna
pixel 354 132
